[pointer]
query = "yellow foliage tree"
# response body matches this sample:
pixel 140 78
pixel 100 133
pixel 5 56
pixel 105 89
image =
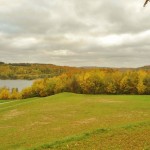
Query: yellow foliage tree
pixel 15 94
pixel 5 93
pixel 140 86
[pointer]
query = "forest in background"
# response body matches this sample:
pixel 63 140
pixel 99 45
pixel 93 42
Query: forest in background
pixel 53 79
pixel 31 71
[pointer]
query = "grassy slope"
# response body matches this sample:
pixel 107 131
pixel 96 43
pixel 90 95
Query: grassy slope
pixel 4 101
pixel 71 121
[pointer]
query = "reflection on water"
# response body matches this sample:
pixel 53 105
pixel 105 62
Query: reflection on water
pixel 20 84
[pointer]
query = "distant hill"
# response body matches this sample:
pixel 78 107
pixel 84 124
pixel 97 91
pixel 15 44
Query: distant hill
pixel 145 67
pixel 32 71
pixel 123 68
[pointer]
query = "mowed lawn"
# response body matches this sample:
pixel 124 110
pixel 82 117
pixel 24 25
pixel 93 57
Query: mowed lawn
pixel 76 122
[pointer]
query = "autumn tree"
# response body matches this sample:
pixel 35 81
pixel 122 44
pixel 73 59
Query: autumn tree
pixel 4 93
pixel 140 86
pixel 15 94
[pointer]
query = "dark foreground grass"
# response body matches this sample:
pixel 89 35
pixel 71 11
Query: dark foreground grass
pixel 74 121
pixel 115 139
pixel 68 142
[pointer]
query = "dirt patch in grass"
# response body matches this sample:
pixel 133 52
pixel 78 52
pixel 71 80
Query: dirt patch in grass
pixel 38 123
pixel 57 129
pixel 85 121
pixel 45 120
pixel 13 113
pixel 5 127
pixel 108 101
pixel 34 125
pixel 104 101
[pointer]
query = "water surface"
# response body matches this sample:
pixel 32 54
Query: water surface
pixel 20 84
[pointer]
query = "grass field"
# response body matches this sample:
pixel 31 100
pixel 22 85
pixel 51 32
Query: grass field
pixel 4 101
pixel 76 122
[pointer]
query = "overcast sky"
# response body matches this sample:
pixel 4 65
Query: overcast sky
pixel 108 33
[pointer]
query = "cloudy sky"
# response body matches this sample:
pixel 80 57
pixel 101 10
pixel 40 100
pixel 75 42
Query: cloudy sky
pixel 108 33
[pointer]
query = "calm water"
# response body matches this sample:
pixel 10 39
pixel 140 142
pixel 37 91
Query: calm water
pixel 20 84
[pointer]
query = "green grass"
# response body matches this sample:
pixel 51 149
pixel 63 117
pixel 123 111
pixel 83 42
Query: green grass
pixel 75 121
pixel 5 101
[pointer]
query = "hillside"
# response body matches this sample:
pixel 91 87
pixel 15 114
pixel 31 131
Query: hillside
pixel 74 121
pixel 31 71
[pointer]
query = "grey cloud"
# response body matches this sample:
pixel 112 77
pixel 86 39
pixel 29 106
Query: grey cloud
pixel 75 32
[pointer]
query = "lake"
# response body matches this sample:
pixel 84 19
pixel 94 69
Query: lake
pixel 20 84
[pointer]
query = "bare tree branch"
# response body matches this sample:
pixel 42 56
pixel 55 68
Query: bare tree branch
pixel 146 3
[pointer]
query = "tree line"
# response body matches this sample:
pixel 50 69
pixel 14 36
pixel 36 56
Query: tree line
pixel 92 81
pixel 31 71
